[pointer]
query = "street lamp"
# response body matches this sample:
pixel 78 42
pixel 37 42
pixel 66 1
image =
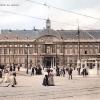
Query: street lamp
pixel 27 58
pixel 78 59
pixel 56 56
pixel 13 56
pixel 63 50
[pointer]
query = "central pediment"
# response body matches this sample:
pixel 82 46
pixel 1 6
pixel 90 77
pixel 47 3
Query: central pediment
pixel 47 39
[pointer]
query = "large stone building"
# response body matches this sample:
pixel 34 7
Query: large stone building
pixel 49 47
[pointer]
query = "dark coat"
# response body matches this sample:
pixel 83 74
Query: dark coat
pixel 70 70
pixel 45 80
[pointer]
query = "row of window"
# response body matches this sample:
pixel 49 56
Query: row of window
pixel 58 46
pixel 48 50
pixel 34 60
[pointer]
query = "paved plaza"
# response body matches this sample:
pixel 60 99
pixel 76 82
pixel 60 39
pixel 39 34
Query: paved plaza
pixel 30 88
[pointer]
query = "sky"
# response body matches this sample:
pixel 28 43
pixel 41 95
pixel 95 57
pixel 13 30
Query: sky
pixel 23 14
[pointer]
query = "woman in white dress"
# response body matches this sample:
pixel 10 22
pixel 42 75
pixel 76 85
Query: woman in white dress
pixel 6 79
pixel 51 78
pixel 12 79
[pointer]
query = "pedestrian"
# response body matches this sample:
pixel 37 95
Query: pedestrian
pixel 18 68
pixel 32 71
pixel 63 70
pixel 79 70
pixel 84 71
pixel 12 80
pixel 48 70
pixel 57 71
pixel 70 70
pixel 60 72
pixel 0 73
pixel 51 78
pixel 6 78
pixel 36 70
pixel 14 68
pixel 40 70
pixel 67 69
pixel 11 68
pixel 45 79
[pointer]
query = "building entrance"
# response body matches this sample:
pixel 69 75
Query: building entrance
pixel 49 62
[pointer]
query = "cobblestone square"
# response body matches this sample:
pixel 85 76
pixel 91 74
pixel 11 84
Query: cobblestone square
pixel 31 88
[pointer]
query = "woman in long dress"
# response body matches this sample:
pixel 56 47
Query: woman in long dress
pixel 45 79
pixel 51 78
pixel 6 79
pixel 12 79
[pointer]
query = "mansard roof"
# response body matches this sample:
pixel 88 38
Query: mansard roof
pixel 34 34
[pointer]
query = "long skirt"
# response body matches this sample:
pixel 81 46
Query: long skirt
pixel 45 80
pixel 13 80
pixel 50 81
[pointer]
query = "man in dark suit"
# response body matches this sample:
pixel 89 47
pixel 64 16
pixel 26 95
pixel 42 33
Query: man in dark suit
pixel 70 70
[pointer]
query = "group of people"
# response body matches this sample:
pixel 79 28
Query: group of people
pixel 63 71
pixel 36 70
pixel 48 79
pixel 8 75
pixel 9 78
pixel 13 68
pixel 84 71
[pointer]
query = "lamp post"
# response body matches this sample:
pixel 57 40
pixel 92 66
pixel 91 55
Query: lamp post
pixel 13 56
pixel 56 56
pixel 78 59
pixel 27 58
pixel 78 44
pixel 63 50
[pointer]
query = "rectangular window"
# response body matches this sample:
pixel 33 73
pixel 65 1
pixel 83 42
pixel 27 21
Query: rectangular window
pixel 91 46
pixel 15 51
pixel 25 51
pixel 20 51
pixel 86 45
pixel 71 51
pixel 68 51
pixel 61 48
pixel 54 48
pixel 85 51
pixel 5 51
pixel 35 48
pixel 30 51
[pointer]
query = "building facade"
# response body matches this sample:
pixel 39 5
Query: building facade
pixel 48 48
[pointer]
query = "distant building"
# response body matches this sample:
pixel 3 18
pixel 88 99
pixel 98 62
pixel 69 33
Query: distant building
pixel 47 47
